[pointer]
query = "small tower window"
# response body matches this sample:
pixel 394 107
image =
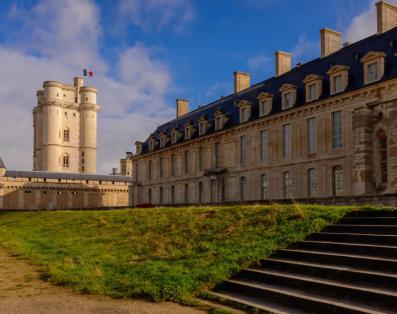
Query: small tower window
pixel 66 135
pixel 65 160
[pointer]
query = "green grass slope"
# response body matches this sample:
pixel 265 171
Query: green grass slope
pixel 157 253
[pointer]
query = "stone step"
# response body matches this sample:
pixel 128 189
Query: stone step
pixel 368 221
pixel 350 248
pixel 347 274
pixel 373 229
pixel 356 261
pixel 328 289
pixel 364 238
pixel 283 300
pixel 372 213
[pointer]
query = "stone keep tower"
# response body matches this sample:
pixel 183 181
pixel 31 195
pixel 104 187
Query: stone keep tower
pixel 65 128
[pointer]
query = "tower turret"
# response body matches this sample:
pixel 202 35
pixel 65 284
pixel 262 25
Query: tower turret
pixel 88 126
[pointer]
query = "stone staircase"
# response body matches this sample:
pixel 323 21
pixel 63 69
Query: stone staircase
pixel 349 267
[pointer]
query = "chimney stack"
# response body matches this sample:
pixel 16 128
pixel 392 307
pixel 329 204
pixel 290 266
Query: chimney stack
pixel 283 62
pixel 386 16
pixel 241 81
pixel 182 107
pixel 330 41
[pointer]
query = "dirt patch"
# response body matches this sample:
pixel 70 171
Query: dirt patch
pixel 22 292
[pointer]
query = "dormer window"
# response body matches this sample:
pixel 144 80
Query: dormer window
pixel 374 66
pixel 265 103
pixel 288 95
pixel 313 87
pixel 138 146
pixel 175 136
pixel 163 140
pixel 245 110
pixel 203 125
pixel 339 78
pixel 220 119
pixel 188 132
pixel 152 144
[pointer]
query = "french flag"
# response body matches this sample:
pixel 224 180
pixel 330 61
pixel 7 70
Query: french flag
pixel 87 72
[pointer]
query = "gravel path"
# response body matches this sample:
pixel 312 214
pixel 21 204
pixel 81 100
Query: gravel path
pixel 22 292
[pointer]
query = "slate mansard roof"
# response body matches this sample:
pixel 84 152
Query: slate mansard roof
pixel 349 55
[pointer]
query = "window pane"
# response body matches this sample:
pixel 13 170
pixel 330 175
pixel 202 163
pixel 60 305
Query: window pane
pixel 372 72
pixel 312 92
pixel 217 155
pixel 337 180
pixel 200 152
pixel 264 187
pixel 287 140
pixel 337 83
pixel 264 144
pixel 287 183
pixel 311 128
pixel 243 149
pixel 337 129
pixel 243 188
pixel 312 182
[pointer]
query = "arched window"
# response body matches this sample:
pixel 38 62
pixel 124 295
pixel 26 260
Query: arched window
pixel 337 180
pixel 65 161
pixel 382 144
pixel 243 188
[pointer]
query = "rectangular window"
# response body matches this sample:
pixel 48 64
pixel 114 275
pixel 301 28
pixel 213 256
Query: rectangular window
pixel 187 133
pixel 217 155
pixel 337 83
pixel 200 159
pixel 161 170
pixel 336 129
pixel 372 72
pixel 311 183
pixel 149 171
pixel 173 165
pixel 383 157
pixel 312 92
pixel 172 194
pixel 218 123
pixel 186 162
pixel 150 196
pixel 337 180
pixel 200 192
pixel 66 135
pixel 264 107
pixel 264 145
pixel 264 187
pixel 244 114
pixel 243 188
pixel 311 132
pixel 243 149
pixel 287 100
pixel 202 126
pixel 287 184
pixel 287 140
pixel 186 193
pixel 161 196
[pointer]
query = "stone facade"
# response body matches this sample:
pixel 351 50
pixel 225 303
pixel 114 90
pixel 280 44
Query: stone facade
pixel 65 124
pixel 31 190
pixel 330 131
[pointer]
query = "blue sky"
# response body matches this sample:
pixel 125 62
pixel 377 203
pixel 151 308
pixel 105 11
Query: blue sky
pixel 147 53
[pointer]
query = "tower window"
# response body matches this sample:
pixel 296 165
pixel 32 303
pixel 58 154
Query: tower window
pixel 66 135
pixel 65 160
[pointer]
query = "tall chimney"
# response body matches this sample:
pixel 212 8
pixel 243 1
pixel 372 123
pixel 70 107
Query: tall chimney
pixel 330 41
pixel 283 62
pixel 386 16
pixel 241 81
pixel 182 107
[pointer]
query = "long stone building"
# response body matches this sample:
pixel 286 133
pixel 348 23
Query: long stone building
pixel 324 128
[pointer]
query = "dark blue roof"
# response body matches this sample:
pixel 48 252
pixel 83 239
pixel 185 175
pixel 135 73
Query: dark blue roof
pixel 349 56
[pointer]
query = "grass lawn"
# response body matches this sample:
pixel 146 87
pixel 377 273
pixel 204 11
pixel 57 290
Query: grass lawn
pixel 156 253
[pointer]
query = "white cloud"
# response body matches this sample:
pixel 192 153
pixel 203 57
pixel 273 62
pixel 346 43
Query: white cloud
pixel 156 14
pixel 260 63
pixel 60 42
pixel 364 24
pixel 305 49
